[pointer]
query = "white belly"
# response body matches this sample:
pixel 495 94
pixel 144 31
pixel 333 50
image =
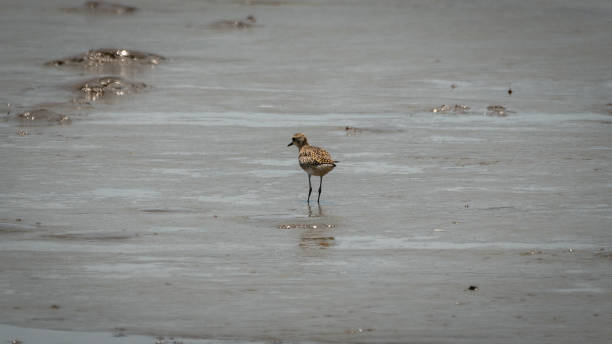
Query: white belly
pixel 319 170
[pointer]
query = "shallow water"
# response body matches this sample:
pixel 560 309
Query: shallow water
pixel 179 210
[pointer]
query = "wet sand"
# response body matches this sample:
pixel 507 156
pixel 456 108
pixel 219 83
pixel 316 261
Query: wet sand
pixel 179 211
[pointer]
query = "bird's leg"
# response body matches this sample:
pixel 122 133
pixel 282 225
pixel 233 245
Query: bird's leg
pixel 309 188
pixel 320 185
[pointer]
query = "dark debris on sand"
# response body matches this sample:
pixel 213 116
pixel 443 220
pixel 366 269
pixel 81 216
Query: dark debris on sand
pixel 247 22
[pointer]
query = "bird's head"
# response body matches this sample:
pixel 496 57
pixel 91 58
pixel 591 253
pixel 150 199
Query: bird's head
pixel 299 140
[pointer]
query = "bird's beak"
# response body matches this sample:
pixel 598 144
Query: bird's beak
pixel 290 144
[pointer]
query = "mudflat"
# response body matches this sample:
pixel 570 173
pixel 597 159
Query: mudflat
pixel 179 212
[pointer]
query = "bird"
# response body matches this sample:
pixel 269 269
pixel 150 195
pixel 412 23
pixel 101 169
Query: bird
pixel 314 160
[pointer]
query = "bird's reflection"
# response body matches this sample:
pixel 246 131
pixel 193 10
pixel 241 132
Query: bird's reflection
pixel 316 240
pixel 317 235
pixel 319 212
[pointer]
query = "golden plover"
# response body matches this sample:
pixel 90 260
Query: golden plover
pixel 314 160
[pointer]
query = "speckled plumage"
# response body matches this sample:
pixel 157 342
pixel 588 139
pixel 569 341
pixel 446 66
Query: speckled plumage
pixel 315 161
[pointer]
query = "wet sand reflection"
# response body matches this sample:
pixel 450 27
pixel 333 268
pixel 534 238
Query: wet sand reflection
pixel 317 236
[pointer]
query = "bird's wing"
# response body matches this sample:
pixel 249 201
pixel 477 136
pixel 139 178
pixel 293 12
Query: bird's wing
pixel 315 156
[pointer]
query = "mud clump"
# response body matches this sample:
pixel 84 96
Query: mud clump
pixel 306 226
pixel 353 131
pixel 441 109
pixel 101 57
pixel 456 109
pixel 42 117
pixel 531 253
pixel 107 7
pixel 247 22
pixel 492 110
pixel 118 332
pixel 358 330
pixel 169 340
pixel 109 86
pixel 102 7
pixel 497 110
